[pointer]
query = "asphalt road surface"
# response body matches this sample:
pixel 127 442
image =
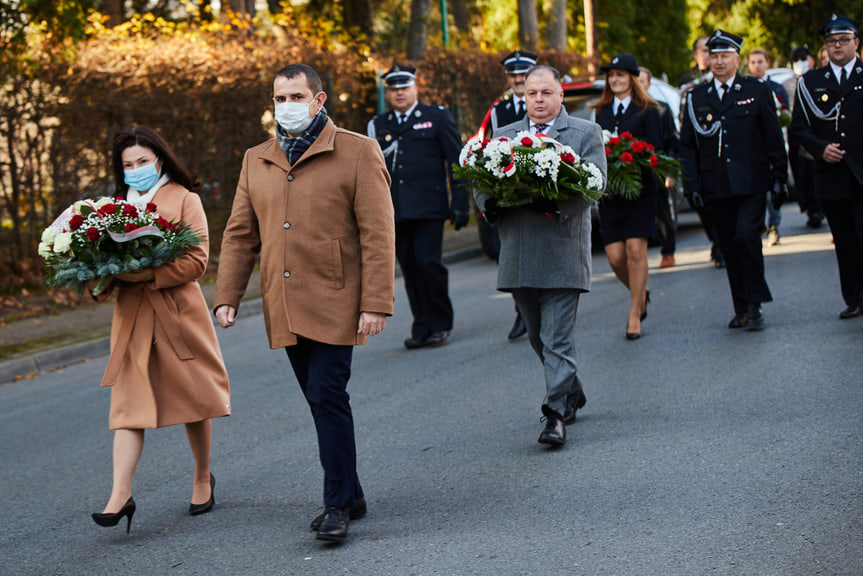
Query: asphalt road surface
pixel 701 451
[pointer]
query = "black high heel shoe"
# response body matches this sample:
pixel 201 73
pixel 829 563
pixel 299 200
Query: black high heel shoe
pixel 128 510
pixel 195 509
pixel 646 302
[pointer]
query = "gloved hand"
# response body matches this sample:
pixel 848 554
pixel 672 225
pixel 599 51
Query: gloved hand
pixel 459 219
pixel 491 211
pixel 696 199
pixel 779 194
pixel 543 206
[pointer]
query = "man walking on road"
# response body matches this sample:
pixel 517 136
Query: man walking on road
pixel 733 153
pixel 827 121
pixel 314 203
pixel 545 261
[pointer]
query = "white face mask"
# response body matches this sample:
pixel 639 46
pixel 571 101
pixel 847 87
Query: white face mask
pixel 801 67
pixel 294 117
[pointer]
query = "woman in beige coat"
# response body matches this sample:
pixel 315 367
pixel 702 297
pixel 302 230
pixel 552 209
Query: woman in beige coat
pixel 165 367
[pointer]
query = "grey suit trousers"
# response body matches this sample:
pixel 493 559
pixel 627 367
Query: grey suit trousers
pixel 549 315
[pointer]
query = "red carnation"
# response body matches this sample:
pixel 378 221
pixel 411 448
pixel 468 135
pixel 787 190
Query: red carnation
pixel 129 227
pixel 607 151
pixel 76 221
pixel 654 161
pixel 626 157
pixel 638 147
pixel 527 141
pixel 650 147
pixel 567 158
pixel 108 209
pixel 626 136
pixel 614 140
pixel 129 211
pixel 92 234
pixel 151 207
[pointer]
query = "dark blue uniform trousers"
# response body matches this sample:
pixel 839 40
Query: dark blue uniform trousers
pixel 323 371
pixel 419 247
pixel 845 218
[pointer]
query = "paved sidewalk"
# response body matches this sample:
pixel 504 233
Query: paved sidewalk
pixel 83 333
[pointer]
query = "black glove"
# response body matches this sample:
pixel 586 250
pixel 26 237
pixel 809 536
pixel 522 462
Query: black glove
pixel 779 194
pixel 459 219
pixel 696 199
pixel 491 211
pixel 543 206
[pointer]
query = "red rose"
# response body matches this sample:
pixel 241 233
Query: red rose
pixel 151 207
pixel 129 211
pixel 76 221
pixel 567 158
pixel 654 161
pixel 638 147
pixel 527 141
pixel 626 157
pixel 93 234
pixel 626 136
pixel 108 209
pixel 650 147
pixel 614 140
pixel 129 227
pixel 607 151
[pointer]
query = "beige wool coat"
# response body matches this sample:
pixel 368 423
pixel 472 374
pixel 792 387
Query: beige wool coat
pixel 166 366
pixel 325 232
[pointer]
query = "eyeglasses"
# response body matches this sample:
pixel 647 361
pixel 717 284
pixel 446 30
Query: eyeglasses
pixel 839 41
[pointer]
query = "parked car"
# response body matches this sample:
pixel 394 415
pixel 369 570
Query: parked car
pixel 577 96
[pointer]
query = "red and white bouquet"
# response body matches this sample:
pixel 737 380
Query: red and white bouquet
pixel 528 168
pixel 627 156
pixel 108 236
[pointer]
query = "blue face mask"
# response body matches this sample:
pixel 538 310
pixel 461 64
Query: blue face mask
pixel 143 178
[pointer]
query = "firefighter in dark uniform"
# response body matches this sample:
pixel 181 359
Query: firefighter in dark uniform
pixel 420 144
pixel 509 108
pixel 733 152
pixel 828 122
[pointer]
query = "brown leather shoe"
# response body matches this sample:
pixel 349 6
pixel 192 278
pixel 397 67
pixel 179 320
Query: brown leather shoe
pixel 667 261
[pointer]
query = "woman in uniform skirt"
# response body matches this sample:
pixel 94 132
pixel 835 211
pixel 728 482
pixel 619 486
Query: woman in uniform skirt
pixel 166 366
pixel 627 224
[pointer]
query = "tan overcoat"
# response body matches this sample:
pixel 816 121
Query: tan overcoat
pixel 325 233
pixel 166 365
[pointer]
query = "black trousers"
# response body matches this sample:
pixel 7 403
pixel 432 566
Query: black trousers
pixel 845 218
pixel 419 247
pixel 323 371
pixel 737 222
pixel 665 214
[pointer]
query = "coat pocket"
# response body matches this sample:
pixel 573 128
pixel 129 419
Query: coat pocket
pixel 337 272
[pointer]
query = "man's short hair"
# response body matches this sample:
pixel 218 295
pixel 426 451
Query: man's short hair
pixel 697 40
pixel 293 70
pixel 761 51
pixel 646 70
pixel 539 67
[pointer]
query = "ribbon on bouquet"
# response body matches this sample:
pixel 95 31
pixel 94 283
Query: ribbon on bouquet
pixel 119 237
pixel 510 168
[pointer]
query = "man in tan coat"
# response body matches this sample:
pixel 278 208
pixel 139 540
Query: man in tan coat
pixel 315 203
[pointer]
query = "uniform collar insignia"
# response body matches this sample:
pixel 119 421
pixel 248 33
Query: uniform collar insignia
pixel 737 87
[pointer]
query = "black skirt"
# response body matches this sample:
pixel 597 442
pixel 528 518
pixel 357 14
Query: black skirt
pixel 620 219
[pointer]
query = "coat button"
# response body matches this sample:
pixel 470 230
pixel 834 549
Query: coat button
pixel 290 177
pixel 287 274
pixel 842 134
pixel 287 225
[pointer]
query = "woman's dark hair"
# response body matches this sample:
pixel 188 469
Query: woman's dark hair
pixel 149 138
pixel 640 97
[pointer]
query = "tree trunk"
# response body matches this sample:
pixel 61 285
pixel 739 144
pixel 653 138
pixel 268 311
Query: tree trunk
pixel 418 31
pixel 243 7
pixel 557 30
pixel 461 15
pixel 590 37
pixel 528 25
pixel 359 14
pixel 114 10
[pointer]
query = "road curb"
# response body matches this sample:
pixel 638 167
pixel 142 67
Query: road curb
pixel 47 360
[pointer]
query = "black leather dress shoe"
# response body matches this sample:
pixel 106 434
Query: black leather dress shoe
pixel 437 338
pixel 334 526
pixel 574 402
pixel 554 433
pixel 754 319
pixel 850 312
pixel 518 328
pixel 411 343
pixel 358 510
pixel 739 321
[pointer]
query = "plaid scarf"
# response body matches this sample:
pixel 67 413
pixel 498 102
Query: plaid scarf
pixel 294 148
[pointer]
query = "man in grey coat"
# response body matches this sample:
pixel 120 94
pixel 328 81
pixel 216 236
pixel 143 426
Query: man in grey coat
pixel 545 252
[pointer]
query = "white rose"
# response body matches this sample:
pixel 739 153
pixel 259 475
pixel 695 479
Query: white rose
pixel 49 233
pixel 63 242
pixel 102 201
pixel 44 249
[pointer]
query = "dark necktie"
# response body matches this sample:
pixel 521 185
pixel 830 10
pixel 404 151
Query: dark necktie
pixel 401 118
pixel 843 79
pixel 724 92
pixel 521 108
pixel 540 128
pixel 619 111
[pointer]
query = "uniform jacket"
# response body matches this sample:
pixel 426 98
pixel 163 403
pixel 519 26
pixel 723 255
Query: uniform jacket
pixel 166 366
pixel 844 109
pixel 541 252
pixel 740 150
pixel 504 112
pixel 324 230
pixel 419 156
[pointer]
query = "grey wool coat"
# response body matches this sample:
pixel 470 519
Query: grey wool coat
pixel 541 252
